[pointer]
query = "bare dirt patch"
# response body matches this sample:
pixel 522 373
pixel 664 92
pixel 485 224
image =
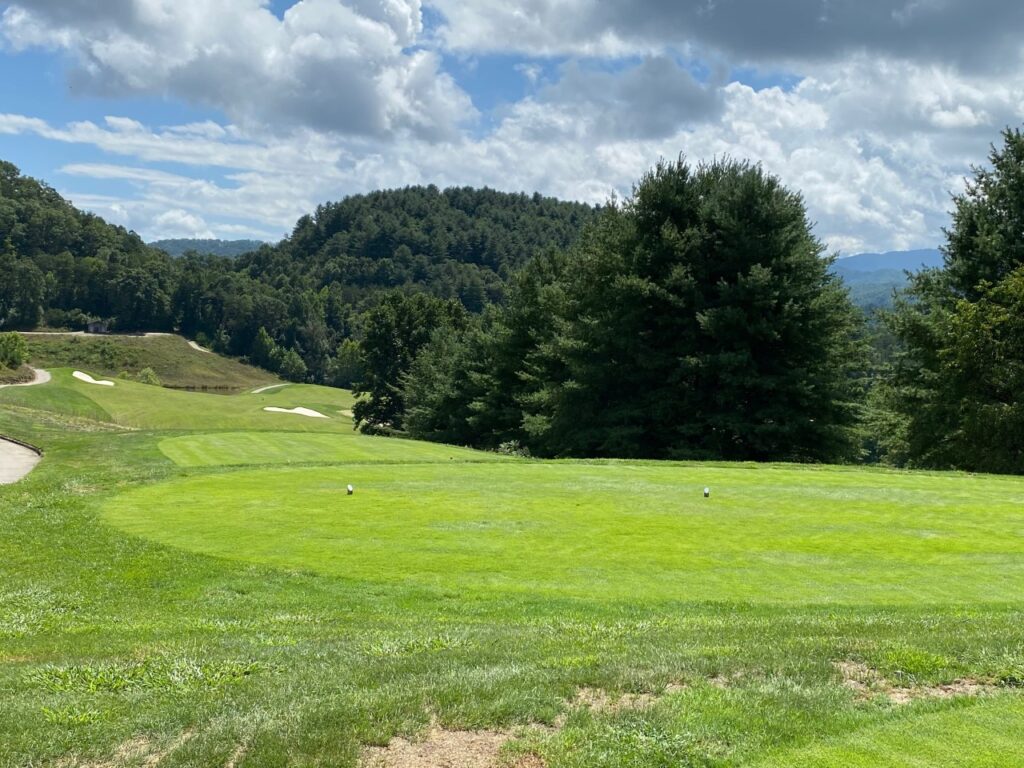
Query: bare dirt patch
pixel 236 756
pixel 868 683
pixel 600 701
pixel 440 748
pixel 138 750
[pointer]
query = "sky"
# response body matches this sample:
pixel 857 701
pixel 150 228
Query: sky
pixel 232 118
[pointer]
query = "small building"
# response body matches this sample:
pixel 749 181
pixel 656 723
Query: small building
pixel 98 326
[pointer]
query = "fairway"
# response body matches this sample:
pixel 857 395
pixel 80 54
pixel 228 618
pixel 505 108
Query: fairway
pixel 185 582
pixel 606 531
pixel 986 735
pixel 241 448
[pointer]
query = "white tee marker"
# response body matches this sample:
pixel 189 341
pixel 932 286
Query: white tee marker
pixel 707 493
pixel 350 489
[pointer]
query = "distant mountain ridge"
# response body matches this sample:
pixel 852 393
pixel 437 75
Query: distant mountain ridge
pixel 228 248
pixel 892 260
pixel 872 277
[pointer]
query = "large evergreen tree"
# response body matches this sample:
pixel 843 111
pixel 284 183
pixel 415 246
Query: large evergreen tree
pixel 955 398
pixel 698 319
pixel 395 332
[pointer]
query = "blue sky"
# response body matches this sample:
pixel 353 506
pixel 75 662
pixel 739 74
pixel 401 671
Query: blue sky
pixel 233 118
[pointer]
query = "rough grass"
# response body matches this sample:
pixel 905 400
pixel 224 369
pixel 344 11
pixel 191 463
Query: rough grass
pixel 18 375
pixel 177 365
pixel 426 611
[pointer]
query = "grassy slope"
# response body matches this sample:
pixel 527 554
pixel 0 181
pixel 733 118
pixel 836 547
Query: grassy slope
pixel 17 375
pixel 107 638
pixel 175 362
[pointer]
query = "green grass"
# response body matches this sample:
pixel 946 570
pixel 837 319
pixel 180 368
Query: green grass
pixel 135 405
pixel 242 448
pixel 608 531
pixel 171 592
pixel 959 737
pixel 176 364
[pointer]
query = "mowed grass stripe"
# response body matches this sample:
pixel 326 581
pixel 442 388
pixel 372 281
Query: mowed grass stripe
pixel 247 448
pixel 975 735
pixel 612 531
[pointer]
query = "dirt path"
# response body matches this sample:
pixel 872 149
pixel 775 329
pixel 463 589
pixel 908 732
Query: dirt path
pixel 41 377
pixel 16 461
pixel 197 348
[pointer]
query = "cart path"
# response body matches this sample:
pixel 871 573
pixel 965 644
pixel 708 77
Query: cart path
pixel 40 377
pixel 16 461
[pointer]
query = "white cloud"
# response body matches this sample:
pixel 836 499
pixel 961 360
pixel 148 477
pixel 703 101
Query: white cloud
pixel 890 107
pixel 176 223
pixel 981 34
pixel 332 66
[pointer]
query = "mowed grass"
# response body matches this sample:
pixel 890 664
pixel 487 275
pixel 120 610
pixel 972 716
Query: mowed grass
pixel 608 531
pixel 142 406
pixel 990 734
pixel 242 448
pixel 171 594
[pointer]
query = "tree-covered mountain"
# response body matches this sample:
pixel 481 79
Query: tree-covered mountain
pixel 73 265
pixel 459 243
pixel 872 277
pixel 207 247
pixel 307 293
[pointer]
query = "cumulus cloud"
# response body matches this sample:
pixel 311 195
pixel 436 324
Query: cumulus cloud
pixel 175 223
pixel 885 107
pixel 342 67
pixel 980 33
pixel 652 99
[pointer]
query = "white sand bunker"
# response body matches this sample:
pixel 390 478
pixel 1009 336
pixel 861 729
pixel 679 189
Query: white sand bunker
pixel 298 412
pixel 90 380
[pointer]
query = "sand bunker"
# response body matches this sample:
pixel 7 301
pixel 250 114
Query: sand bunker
pixel 298 412
pixel 90 380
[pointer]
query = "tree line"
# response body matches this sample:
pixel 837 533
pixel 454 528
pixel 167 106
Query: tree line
pixel 697 319
pixel 296 307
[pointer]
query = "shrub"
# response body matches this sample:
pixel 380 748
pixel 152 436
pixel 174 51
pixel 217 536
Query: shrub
pixel 13 350
pixel 148 376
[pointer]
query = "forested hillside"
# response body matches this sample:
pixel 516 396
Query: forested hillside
pixel 73 265
pixel 65 268
pixel 457 243
pixel 696 319
pixel 181 246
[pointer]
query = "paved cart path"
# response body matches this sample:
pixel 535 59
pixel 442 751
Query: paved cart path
pixel 16 461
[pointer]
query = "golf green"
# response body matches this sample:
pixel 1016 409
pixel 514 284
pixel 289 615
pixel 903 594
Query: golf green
pixel 773 533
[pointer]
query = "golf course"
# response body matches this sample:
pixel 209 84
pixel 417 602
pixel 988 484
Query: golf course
pixel 185 580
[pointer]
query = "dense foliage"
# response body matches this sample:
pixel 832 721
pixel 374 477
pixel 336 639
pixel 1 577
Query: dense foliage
pixel 955 396
pixel 207 247
pixel 697 320
pixel 307 294
pixel 13 350
pixel 54 257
